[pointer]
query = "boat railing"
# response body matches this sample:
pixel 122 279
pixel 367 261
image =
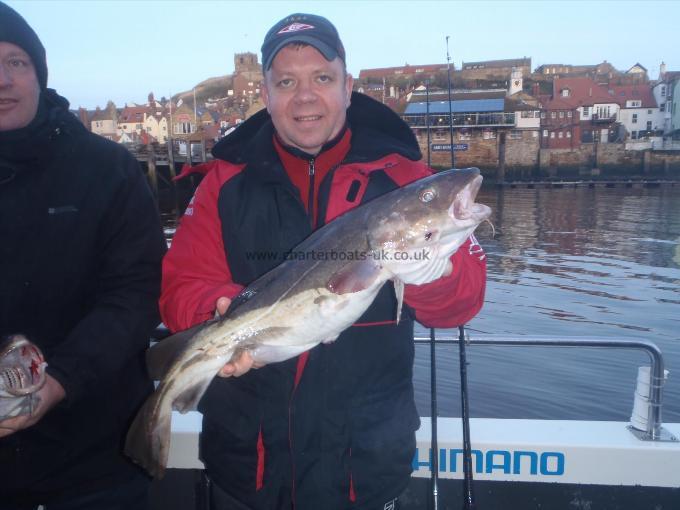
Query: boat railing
pixel 651 394
pixel 653 399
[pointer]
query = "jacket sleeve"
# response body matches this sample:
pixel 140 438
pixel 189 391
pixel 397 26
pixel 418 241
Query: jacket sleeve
pixel 195 270
pixel 455 299
pixel 124 306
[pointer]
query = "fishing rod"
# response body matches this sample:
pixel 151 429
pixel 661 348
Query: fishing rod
pixel 434 476
pixel 468 495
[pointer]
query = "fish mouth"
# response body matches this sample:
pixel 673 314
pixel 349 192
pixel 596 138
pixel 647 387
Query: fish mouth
pixel 464 206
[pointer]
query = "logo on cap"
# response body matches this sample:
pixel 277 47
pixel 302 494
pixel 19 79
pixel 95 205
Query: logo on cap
pixel 295 27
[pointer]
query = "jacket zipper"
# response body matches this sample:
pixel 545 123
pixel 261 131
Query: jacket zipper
pixel 310 195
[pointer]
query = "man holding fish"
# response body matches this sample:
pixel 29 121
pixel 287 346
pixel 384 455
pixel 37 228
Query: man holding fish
pixel 332 428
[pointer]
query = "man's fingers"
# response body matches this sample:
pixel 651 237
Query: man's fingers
pixel 222 305
pixel 239 366
pixel 11 425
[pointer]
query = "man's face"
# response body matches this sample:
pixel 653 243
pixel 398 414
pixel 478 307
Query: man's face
pixel 19 88
pixel 307 97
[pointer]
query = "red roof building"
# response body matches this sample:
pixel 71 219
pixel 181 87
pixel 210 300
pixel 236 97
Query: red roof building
pixel 560 124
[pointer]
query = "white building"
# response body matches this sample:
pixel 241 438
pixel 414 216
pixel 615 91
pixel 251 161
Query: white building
pixel 639 112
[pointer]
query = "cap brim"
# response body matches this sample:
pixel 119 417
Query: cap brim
pixel 327 51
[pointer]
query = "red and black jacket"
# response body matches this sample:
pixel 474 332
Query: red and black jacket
pixel 333 428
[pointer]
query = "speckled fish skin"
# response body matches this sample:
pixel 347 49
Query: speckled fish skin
pixel 306 300
pixel 22 374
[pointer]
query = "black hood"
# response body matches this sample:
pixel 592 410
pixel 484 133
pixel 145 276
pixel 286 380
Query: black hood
pixel 376 132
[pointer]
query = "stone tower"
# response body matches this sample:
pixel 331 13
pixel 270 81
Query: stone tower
pixel 245 63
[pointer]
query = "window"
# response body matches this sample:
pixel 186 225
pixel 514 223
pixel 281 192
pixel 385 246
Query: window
pixel 464 136
pixel 568 134
pixel 649 112
pixel 569 114
pixel 662 107
pixel 552 135
pixel 560 135
pixel 565 92
pixel 649 125
pixel 489 135
pixel 586 111
pixel 561 115
pixel 543 115
pixel 545 132
pixel 553 115
pixel 633 135
pixel 663 91
pixel 184 128
pixel 515 135
pixel 635 118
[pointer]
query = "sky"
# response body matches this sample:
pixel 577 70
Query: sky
pixel 121 50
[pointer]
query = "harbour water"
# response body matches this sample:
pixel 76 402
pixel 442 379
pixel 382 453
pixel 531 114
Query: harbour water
pixel 569 262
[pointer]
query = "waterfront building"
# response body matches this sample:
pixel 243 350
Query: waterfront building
pixel 663 94
pixel 600 72
pixel 488 127
pixel 560 124
pixel 674 101
pixel 597 108
pixel 105 122
pixel 420 72
pixel 131 119
pixel 495 69
pixel 639 113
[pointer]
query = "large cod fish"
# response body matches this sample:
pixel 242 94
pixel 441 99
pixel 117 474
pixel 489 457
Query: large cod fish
pixel 308 300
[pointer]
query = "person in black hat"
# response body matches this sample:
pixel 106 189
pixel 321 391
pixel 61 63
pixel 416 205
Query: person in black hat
pixel 80 271
pixel 334 427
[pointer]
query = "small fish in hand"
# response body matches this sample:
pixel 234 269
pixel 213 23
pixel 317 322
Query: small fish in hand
pixel 22 374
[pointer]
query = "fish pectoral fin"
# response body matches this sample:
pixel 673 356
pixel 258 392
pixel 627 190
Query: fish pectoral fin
pixel 189 398
pixel 399 291
pixel 161 356
pixel 354 277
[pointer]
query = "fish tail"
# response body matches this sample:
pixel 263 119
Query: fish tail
pixel 148 439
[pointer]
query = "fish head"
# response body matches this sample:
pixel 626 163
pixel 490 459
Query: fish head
pixel 22 367
pixel 438 212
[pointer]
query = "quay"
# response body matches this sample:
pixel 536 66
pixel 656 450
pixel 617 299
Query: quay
pixel 611 183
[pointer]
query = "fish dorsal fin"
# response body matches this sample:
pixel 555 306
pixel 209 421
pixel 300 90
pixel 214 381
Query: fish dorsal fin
pixel 399 291
pixel 354 277
pixel 160 357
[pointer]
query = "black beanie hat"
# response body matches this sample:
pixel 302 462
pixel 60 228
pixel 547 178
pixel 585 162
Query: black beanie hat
pixel 15 30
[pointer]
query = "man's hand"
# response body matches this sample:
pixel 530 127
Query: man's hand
pixel 241 364
pixel 46 397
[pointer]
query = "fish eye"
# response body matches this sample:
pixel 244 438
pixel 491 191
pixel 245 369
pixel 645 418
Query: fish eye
pixel 427 195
